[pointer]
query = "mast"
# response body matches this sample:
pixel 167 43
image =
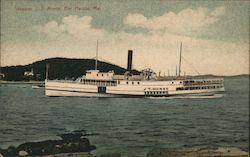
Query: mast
pixel 96 58
pixel 47 72
pixel 0 63
pixel 180 60
pixel 176 70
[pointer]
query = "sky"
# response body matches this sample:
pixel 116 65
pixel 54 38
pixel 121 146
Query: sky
pixel 214 34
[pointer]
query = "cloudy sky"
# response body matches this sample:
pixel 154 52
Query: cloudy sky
pixel 214 34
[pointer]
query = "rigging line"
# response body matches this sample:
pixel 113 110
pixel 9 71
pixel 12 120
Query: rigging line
pixel 96 60
pixel 100 59
pixel 191 65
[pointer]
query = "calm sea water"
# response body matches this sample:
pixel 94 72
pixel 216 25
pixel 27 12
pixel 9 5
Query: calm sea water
pixel 130 126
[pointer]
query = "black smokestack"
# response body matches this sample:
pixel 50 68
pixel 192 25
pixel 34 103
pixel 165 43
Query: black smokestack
pixel 130 57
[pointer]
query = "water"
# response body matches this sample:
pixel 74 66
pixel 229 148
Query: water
pixel 130 126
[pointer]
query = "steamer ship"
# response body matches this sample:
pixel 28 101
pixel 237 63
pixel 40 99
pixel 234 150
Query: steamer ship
pixel 145 84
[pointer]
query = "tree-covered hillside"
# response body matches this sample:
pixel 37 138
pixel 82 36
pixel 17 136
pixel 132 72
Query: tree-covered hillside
pixel 59 68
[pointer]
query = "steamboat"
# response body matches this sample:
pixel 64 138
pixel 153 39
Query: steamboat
pixel 146 84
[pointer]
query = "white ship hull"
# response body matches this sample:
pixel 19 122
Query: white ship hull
pixel 126 88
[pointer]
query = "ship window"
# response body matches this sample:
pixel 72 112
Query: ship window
pixel 138 82
pixel 178 88
pixel 132 82
pixel 118 82
pixel 180 82
pixel 127 82
pixel 102 74
pixel 96 74
pixel 172 82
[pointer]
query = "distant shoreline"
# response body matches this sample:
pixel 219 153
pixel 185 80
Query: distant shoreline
pixel 21 82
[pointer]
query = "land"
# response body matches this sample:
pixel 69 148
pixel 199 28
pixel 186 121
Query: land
pixel 199 151
pixel 22 82
pixel 75 144
pixel 70 143
pixel 59 68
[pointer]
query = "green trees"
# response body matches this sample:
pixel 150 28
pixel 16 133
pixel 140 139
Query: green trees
pixel 59 68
